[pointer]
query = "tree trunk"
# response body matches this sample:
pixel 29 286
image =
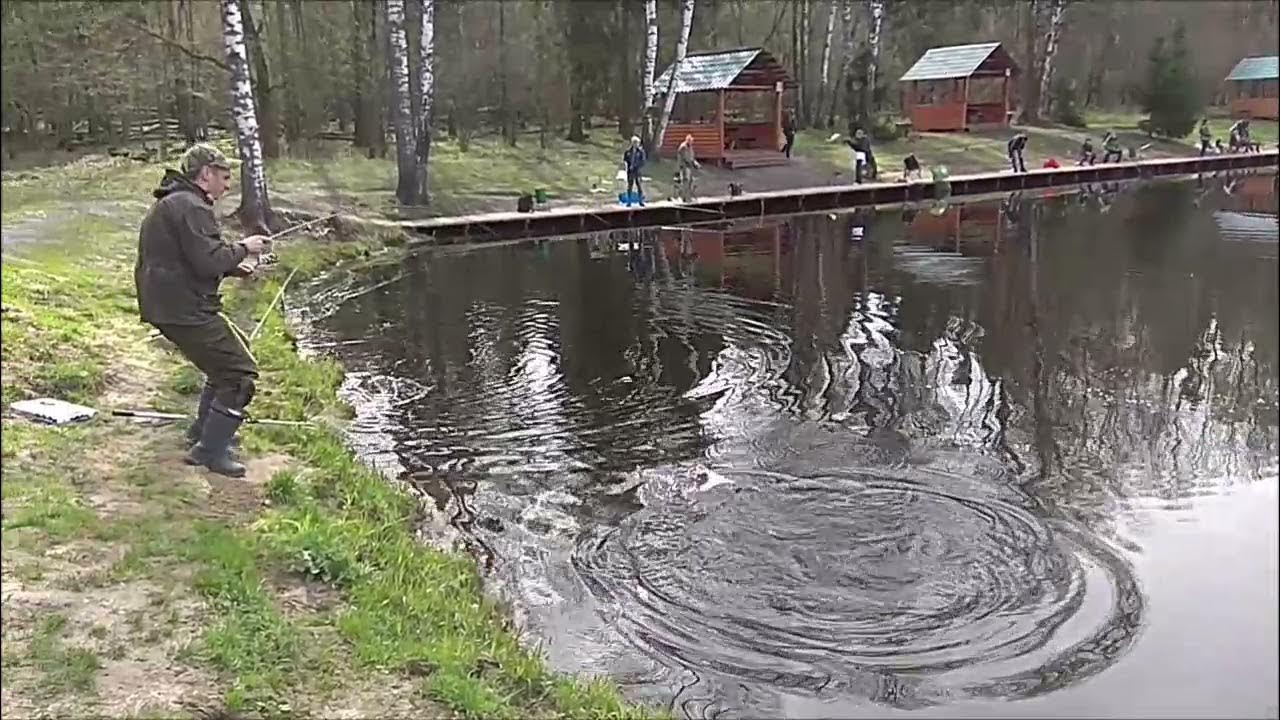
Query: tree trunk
pixel 804 100
pixel 285 73
pixel 853 113
pixel 255 210
pixel 876 10
pixel 427 81
pixel 1057 10
pixel 268 119
pixel 359 100
pixel 623 97
pixel 650 67
pixel 401 105
pixel 1031 94
pixel 504 102
pixel 682 47
pixel 824 70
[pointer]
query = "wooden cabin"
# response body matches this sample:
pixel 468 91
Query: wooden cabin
pixel 960 87
pixel 730 101
pixel 1252 88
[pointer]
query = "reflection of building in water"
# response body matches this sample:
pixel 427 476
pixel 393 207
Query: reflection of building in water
pixel 750 256
pixel 1252 193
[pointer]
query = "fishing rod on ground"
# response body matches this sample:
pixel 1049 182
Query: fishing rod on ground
pixel 152 415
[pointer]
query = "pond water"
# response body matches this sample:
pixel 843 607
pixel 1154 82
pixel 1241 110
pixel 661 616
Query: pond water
pixel 1011 458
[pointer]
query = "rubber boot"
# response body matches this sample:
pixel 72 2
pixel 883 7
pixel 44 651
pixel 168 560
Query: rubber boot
pixel 202 412
pixel 214 449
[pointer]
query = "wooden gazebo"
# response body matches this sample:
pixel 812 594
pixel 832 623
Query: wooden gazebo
pixel 960 87
pixel 730 101
pixel 1253 85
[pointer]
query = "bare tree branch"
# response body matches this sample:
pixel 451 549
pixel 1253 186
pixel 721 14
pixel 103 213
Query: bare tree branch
pixel 193 54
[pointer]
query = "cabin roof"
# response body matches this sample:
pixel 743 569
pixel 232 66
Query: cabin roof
pixel 721 69
pixel 1256 68
pixel 953 61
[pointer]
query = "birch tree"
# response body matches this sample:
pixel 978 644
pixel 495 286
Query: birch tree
pixel 824 69
pixel 682 48
pixel 401 105
pixel 1057 9
pixel 254 211
pixel 650 65
pixel 427 81
pixel 876 10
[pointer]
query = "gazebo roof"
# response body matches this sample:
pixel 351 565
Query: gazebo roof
pixel 1256 68
pixel 722 69
pixel 954 61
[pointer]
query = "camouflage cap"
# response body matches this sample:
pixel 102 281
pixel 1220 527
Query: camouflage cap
pixel 200 155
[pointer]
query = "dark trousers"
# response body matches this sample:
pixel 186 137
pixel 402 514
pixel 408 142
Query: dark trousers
pixel 1204 148
pixel 1112 154
pixel 1015 159
pixel 791 140
pixel 633 181
pixel 219 350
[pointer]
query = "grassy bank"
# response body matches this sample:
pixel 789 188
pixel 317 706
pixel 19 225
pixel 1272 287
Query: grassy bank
pixel 136 586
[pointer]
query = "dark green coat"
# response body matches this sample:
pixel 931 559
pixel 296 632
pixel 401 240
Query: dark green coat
pixel 181 256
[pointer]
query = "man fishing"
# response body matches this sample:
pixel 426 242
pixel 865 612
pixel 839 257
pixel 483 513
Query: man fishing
pixel 1111 148
pixel 788 132
pixel 1088 156
pixel 864 161
pixel 687 163
pixel 633 160
pixel 1017 144
pixel 181 261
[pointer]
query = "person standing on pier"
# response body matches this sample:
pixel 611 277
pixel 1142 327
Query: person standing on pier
pixel 1111 144
pixel 687 163
pixel 633 160
pixel 788 132
pixel 864 161
pixel 1017 144
pixel 1206 138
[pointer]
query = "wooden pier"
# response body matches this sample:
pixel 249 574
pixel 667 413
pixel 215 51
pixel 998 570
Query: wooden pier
pixel 571 220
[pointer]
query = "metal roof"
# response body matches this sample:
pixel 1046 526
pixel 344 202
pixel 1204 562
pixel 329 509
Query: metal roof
pixel 708 71
pixel 954 61
pixel 1256 68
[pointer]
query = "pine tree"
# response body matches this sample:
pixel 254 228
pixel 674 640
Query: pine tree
pixel 1172 99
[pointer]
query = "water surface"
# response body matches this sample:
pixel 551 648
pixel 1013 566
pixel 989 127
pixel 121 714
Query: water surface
pixel 1015 457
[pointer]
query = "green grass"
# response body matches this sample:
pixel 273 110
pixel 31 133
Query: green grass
pixel 61 670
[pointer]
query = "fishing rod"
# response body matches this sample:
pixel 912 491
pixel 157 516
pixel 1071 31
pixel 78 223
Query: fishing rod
pixel 300 226
pixel 272 306
pixel 152 415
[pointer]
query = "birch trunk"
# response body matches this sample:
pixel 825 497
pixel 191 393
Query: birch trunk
pixel 401 106
pixel 876 9
pixel 682 48
pixel 824 70
pixel 427 81
pixel 650 65
pixel 254 211
pixel 1057 10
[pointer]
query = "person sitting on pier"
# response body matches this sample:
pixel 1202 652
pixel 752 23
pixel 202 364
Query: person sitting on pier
pixel 1017 144
pixel 633 159
pixel 1206 137
pixel 1111 146
pixel 911 168
pixel 687 163
pixel 1088 155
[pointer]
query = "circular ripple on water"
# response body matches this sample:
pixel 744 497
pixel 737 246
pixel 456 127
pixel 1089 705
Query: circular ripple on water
pixel 802 582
